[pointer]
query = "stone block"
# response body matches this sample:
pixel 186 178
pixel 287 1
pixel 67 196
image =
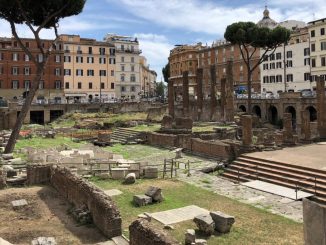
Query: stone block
pixel 223 222
pixel 200 242
pixel 190 237
pixel 7 156
pixel 155 193
pixel 118 173
pixel 150 172
pixel 130 178
pixel 44 241
pixel 17 204
pixel 142 200
pixel 205 223
pixel 167 122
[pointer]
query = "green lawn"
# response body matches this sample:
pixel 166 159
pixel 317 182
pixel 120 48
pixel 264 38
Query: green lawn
pixel 253 225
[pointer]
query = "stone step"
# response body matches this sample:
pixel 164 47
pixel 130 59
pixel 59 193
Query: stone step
pixel 120 240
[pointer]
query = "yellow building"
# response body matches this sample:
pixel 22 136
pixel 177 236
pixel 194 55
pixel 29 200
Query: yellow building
pixel 317 30
pixel 89 69
pixel 147 78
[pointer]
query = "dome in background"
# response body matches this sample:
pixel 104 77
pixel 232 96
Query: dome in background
pixel 267 21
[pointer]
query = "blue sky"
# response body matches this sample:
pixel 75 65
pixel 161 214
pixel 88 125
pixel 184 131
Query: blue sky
pixel 160 24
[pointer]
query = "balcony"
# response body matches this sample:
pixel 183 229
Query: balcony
pixel 139 51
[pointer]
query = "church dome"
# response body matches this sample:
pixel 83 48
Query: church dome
pixel 267 21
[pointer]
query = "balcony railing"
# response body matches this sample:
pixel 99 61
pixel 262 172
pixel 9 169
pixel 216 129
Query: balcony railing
pixel 135 51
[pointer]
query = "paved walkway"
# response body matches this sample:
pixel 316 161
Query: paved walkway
pixel 273 203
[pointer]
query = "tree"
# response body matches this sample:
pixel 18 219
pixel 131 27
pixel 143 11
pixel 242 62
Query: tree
pixel 36 15
pixel 251 38
pixel 160 89
pixel 166 72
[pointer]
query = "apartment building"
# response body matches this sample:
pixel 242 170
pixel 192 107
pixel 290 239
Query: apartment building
pixel 17 71
pixel 317 34
pixel 148 79
pixel 127 66
pixel 288 68
pixel 89 69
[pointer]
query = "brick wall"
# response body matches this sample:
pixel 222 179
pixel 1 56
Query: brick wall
pixel 143 232
pixel 212 148
pixel 162 139
pixel 38 174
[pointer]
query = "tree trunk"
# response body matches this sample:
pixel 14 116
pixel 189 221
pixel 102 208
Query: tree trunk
pixel 249 90
pixel 26 106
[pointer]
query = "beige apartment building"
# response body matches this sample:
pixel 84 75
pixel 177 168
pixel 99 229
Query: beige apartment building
pixel 89 69
pixel 148 79
pixel 317 31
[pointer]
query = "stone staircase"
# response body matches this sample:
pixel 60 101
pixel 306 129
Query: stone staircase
pixel 125 136
pixel 119 240
pixel 246 168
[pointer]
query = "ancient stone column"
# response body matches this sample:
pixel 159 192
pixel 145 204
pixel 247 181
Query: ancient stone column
pixel 321 107
pixel 229 107
pixel 287 129
pixel 223 98
pixel 199 90
pixel 305 126
pixel 185 94
pixel 213 92
pixel 171 98
pixel 246 121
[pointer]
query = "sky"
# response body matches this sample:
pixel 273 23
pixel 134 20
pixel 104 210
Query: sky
pixel 161 24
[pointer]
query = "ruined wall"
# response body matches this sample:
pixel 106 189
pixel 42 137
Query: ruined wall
pixel 3 178
pixel 157 113
pixel 143 232
pixel 104 212
pixel 212 148
pixel 314 223
pixel 38 174
pixel 162 139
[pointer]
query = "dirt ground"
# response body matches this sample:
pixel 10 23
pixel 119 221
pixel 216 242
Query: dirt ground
pixel 46 215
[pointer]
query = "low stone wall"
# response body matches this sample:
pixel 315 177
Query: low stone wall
pixel 157 113
pixel 143 232
pixel 162 139
pixel 38 174
pixel 212 148
pixel 79 192
pixel 314 223
pixel 3 178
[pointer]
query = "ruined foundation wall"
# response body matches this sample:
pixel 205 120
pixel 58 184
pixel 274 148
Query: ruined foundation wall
pixel 212 148
pixel 162 139
pixel 80 192
pixel 143 232
pixel 314 223
pixel 38 174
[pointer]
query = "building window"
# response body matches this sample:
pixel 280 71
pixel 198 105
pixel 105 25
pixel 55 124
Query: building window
pixel 57 84
pixel 313 47
pixel 57 71
pixel 1 56
pixel 1 70
pixel 123 89
pixel 112 60
pixel 90 60
pixel 133 89
pixel 79 72
pixel 122 47
pixel 15 84
pixel 67 49
pixel 289 54
pixel 27 71
pixel 132 68
pixel 27 85
pixel 79 85
pixel 272 65
pixel 278 64
pixel 313 62
pixel 57 58
pixel 323 46
pixel 90 85
pixel 112 73
pixel 102 51
pixel 79 59
pixel 306 51
pixel 41 85
pixel 272 79
pixel 322 31
pixel 67 72
pixel 90 73
pixel 289 77
pixel 132 59
pixel 122 78
pixel 90 50
pixel 265 66
pixel 112 51
pixel 15 57
pixel 122 68
pixel 279 78
pixel 323 61
pixel 307 61
pixel 278 56
pixel 102 73
pixel 289 63
pixel 307 76
pixel 67 85
pixel 40 58
pixel 312 33
pixel 122 59
pixel 15 70
pixel 271 57
pixel 79 50
pixel 112 85
pixel 102 86
pixel 132 78
pixel 265 79
pixel 26 58
pixel 102 60
pixel 67 59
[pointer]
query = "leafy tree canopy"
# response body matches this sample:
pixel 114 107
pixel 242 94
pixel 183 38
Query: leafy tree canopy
pixel 166 72
pixel 37 12
pixel 244 33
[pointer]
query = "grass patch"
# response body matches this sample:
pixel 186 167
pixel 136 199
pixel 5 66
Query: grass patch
pixel 253 225
pixel 147 128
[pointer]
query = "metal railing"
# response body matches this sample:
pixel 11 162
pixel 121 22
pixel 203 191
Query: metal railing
pixel 306 186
